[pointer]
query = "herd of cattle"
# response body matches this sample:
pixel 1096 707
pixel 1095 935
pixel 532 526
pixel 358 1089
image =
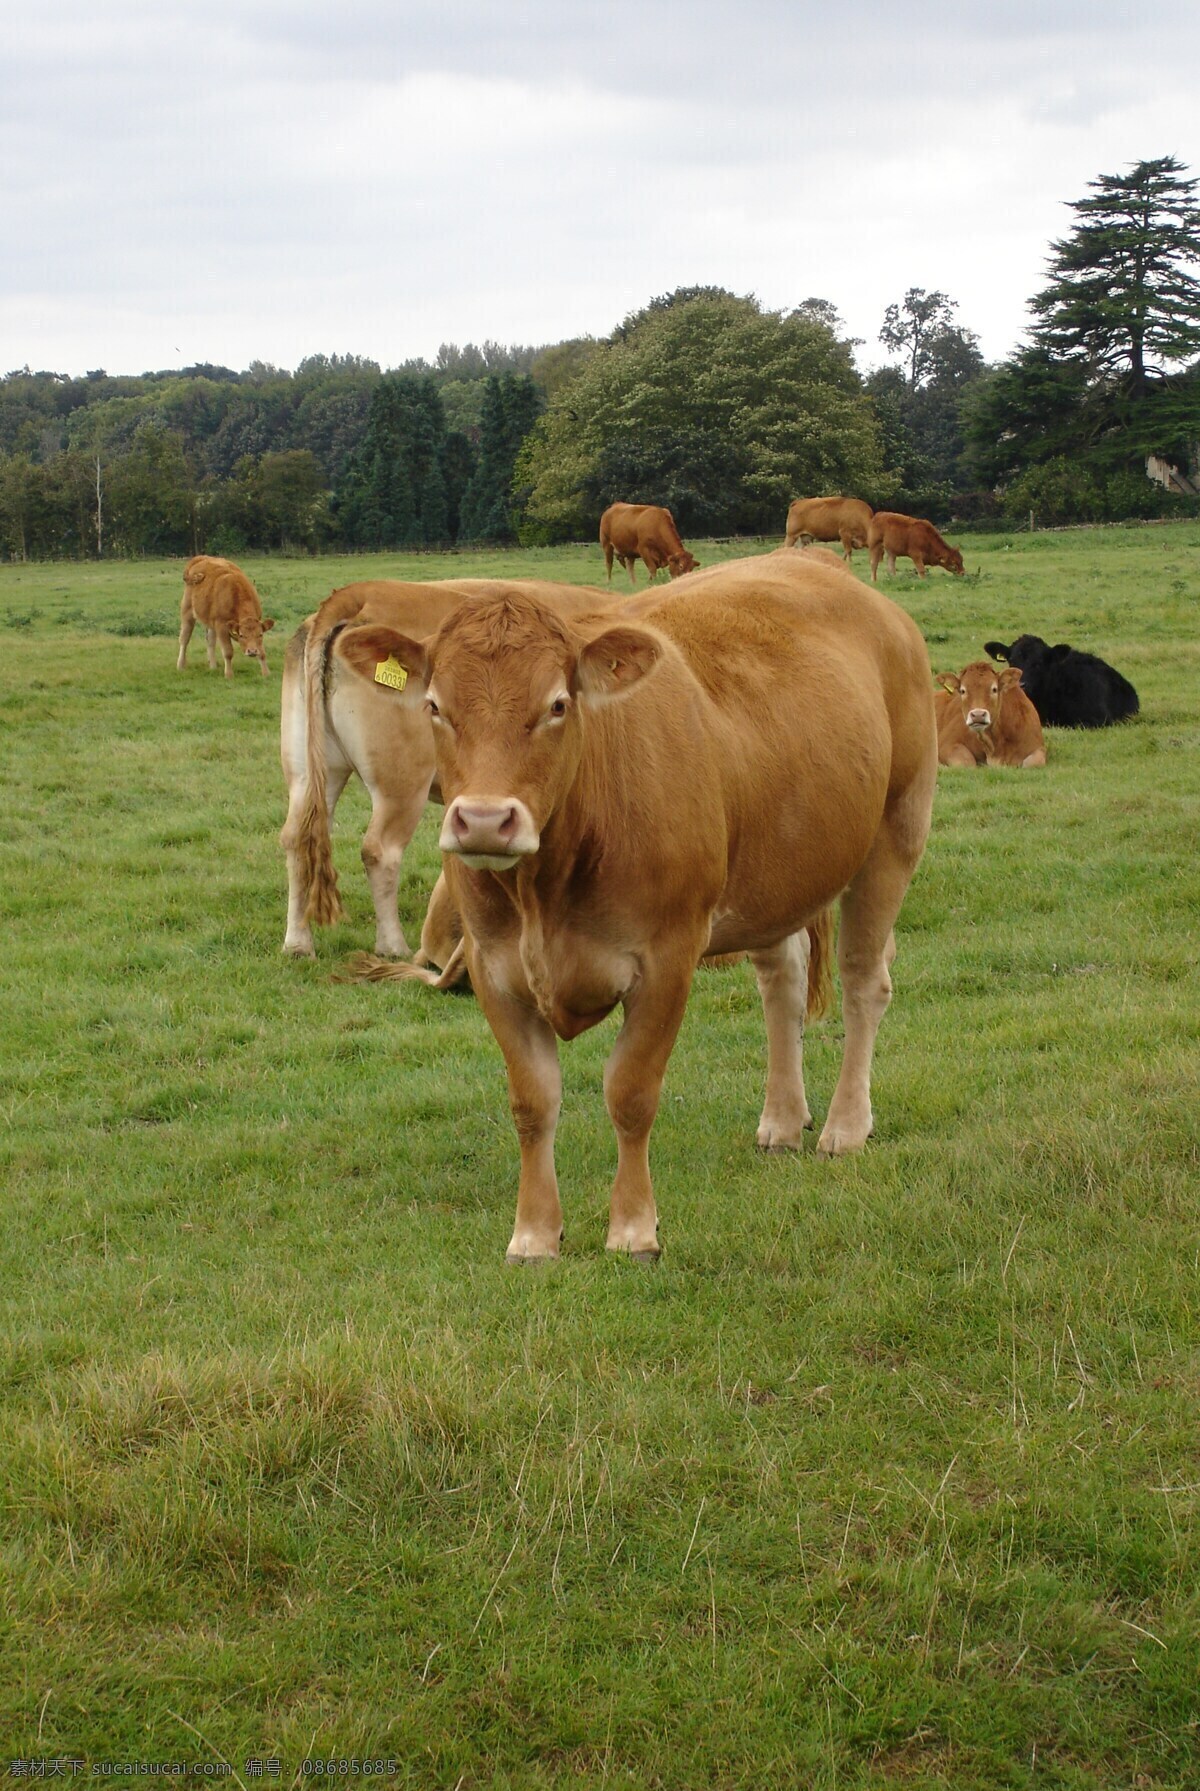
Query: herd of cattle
pixel 634 785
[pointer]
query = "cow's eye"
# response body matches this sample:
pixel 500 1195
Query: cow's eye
pixel 558 707
pixel 432 707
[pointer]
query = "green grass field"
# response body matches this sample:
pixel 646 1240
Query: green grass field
pixel 887 1475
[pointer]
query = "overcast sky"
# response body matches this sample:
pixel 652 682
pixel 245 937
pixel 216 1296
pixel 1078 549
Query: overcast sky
pixel 238 180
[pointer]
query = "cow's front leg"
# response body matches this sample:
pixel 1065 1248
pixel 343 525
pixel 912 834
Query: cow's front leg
pixel 225 642
pixel 633 1078
pixel 534 1095
pixel 782 976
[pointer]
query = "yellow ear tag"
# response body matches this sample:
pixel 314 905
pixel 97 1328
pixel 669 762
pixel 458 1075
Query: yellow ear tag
pixel 389 671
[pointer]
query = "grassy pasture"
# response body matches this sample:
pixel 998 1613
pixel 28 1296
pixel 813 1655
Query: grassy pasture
pixel 889 1474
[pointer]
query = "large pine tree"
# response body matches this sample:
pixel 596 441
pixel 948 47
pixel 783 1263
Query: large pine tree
pixel 1120 297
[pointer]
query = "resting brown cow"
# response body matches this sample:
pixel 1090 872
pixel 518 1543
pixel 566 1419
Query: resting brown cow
pixel 646 532
pixel 707 772
pixel 912 538
pixel 329 729
pixel 841 519
pixel 219 596
pixel 985 716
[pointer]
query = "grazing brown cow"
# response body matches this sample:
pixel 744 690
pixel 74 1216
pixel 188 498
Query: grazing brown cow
pixel 646 532
pixel 331 727
pixel 219 596
pixel 841 519
pixel 985 716
pixel 912 537
pixel 706 772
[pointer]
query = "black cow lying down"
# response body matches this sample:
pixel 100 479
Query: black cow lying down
pixel 1068 689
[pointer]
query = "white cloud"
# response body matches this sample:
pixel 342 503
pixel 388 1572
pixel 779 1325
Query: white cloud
pixel 243 178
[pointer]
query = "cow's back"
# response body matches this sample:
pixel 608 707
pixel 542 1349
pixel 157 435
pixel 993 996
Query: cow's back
pixel 825 517
pixel 820 694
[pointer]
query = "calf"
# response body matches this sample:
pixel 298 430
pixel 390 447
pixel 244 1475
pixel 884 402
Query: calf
pixel 1069 689
pixel 219 596
pixel 996 712
pixel 705 772
pixel 911 538
pixel 646 532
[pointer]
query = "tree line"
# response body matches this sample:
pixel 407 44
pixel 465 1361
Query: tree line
pixel 703 400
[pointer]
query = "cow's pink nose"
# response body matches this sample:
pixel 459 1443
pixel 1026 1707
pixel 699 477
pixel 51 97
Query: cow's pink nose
pixel 481 826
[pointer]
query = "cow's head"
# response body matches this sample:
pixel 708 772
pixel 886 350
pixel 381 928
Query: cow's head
pixel 249 630
pixel 980 689
pixel 949 559
pixel 507 686
pixel 679 563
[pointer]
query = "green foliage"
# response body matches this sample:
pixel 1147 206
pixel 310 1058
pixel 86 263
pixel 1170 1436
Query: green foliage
pixel 710 405
pixel 511 404
pixel 149 495
pixel 920 405
pixel 1069 490
pixel 393 493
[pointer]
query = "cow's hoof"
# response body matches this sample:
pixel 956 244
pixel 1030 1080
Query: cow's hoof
pixel 516 1261
pixel 298 951
pixel 842 1143
pixel 645 1256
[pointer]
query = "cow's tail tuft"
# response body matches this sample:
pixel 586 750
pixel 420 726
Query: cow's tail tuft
pixel 365 967
pixel 820 965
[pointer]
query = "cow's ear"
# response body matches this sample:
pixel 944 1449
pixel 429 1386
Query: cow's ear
pixel 1009 676
pixel 948 681
pixel 388 658
pixel 615 661
pixel 1059 652
pixel 995 649
pixel 268 622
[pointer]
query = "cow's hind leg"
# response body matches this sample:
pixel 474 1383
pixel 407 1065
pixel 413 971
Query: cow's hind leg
pixel 391 826
pixel 866 948
pixel 210 643
pixel 633 1078
pixel 782 976
pixel 187 622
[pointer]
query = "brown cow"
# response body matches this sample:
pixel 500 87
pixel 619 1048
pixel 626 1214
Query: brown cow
pixel 957 745
pixel 330 727
pixel 708 772
pixel 219 596
pixel 912 537
pixel 843 519
pixel 646 532
pixel 986 708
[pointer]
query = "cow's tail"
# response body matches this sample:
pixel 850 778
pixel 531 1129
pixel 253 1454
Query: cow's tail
pixel 314 844
pixel 365 967
pixel 820 965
